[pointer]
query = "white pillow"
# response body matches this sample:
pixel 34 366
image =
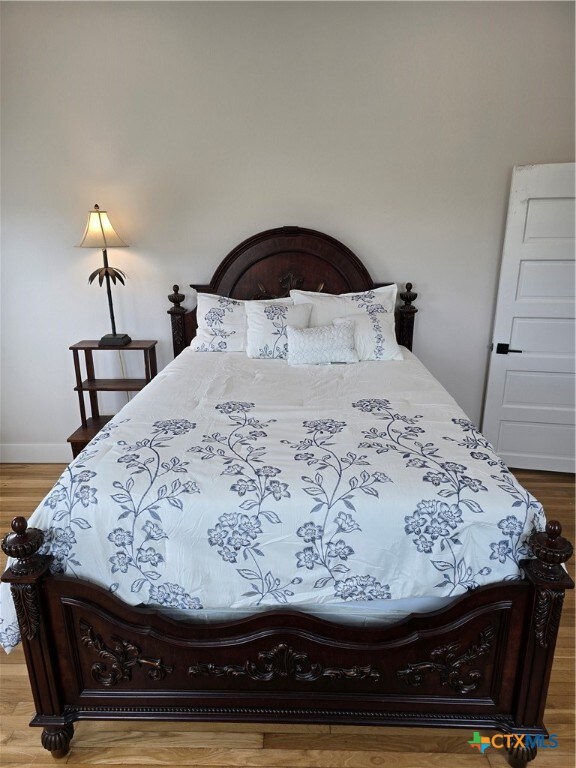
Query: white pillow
pixel 326 307
pixel 374 336
pixel 221 324
pixel 323 344
pixel 267 323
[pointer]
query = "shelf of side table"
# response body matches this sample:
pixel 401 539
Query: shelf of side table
pixel 91 425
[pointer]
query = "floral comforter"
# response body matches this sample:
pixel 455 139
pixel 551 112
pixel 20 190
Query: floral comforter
pixel 233 482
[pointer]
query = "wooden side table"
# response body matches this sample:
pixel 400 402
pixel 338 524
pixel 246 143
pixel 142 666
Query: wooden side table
pixel 92 424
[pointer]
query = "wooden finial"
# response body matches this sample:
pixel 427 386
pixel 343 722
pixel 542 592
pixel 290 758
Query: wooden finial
pixel 176 298
pixel 551 549
pixel 408 296
pixel 22 545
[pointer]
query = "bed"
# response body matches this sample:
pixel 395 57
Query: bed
pixel 326 520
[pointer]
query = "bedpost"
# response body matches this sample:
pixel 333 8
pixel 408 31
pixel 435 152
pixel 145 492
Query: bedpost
pixel 406 312
pixel 549 580
pixel 24 575
pixel 177 317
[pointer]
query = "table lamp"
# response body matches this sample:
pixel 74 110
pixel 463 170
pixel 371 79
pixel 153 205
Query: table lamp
pixel 101 234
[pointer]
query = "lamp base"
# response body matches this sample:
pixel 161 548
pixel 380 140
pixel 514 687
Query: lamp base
pixel 114 340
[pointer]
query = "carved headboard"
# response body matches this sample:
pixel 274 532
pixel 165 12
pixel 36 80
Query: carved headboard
pixel 268 265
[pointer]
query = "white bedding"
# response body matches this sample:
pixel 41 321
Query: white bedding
pixel 237 483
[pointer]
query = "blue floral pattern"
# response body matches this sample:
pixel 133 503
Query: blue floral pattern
pixel 515 530
pixel 152 484
pixel 336 482
pixel 367 303
pixel 277 314
pixel 9 634
pixel 236 534
pixel 436 526
pixel 150 488
pixel 215 330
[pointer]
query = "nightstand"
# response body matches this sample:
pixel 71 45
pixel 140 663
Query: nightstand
pixel 93 424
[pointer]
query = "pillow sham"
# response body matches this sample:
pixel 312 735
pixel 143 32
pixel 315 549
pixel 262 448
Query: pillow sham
pixel 326 307
pixel 267 323
pixel 374 336
pixel 221 324
pixel 322 344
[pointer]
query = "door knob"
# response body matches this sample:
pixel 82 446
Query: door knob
pixel 504 349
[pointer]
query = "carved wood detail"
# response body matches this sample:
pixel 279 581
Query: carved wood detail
pixel 290 282
pixel 408 296
pixel 448 665
pixel 57 740
pixel 283 661
pixel 22 545
pixel 287 282
pixel 547 615
pixel 519 757
pixel 122 657
pixel 27 607
pixel 505 723
pixel 551 550
pixel 178 332
pixel 177 313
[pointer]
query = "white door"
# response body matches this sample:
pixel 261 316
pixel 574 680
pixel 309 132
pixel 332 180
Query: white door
pixel 529 407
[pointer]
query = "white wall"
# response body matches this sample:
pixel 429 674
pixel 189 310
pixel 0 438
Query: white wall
pixel 392 126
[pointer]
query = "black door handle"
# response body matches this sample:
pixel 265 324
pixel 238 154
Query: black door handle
pixel 504 349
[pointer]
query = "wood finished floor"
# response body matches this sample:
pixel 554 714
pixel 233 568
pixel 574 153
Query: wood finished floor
pixel 273 746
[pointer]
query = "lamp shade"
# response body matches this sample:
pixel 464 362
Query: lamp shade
pixel 100 233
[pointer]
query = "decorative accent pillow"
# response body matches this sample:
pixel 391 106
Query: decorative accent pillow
pixel 374 336
pixel 326 307
pixel 267 326
pixel 221 324
pixel 323 344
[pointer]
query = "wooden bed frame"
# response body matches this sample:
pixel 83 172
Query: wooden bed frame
pixel 484 662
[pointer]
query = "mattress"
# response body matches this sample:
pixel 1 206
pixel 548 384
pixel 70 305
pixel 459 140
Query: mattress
pixel 231 485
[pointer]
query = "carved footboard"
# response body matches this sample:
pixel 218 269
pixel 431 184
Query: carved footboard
pixel 484 662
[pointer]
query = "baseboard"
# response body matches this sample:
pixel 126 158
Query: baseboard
pixel 35 453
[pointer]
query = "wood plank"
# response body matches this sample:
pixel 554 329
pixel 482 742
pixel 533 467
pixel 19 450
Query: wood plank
pixel 269 759
pixel 147 739
pixel 388 740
